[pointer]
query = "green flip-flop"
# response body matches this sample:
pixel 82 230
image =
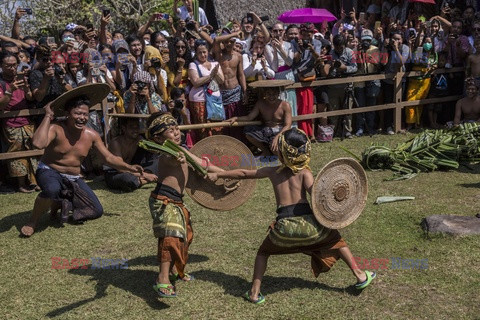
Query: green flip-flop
pixel 370 276
pixel 170 289
pixel 260 299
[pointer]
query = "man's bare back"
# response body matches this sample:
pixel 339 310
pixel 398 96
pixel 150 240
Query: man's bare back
pixel 290 188
pixel 66 152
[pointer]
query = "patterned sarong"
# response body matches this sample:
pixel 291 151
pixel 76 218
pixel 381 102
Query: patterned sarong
pixel 172 227
pixel 231 95
pixel 232 103
pixel 303 234
pixel 20 139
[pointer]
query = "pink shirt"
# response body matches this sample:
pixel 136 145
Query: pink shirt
pixel 196 94
pixel 17 102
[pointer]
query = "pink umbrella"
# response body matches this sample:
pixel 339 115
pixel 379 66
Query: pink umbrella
pixel 424 1
pixel 305 15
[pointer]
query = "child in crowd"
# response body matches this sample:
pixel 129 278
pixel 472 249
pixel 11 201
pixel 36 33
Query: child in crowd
pixel 171 219
pixel 296 230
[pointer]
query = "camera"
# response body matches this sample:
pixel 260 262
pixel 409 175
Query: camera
pixel 190 25
pixel 337 64
pixel 28 11
pixel 58 70
pixel 140 85
pixel 178 105
pixel 156 63
pixel 365 45
pixel 411 33
pixel 305 43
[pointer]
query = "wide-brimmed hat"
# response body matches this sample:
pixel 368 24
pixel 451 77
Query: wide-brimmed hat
pixel 339 193
pixel 224 194
pixel 271 83
pixel 95 92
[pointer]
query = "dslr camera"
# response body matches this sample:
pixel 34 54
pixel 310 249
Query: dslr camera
pixel 156 63
pixel 178 105
pixel 58 70
pixel 305 43
pixel 190 25
pixel 140 85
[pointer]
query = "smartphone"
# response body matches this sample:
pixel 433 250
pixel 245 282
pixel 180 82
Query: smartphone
pixel 106 12
pixel 428 24
pixel 28 10
pixel 419 51
pixel 20 76
pixel 377 25
pixel 411 33
pixel 361 17
pixel 50 40
pixel 162 16
pixel 249 18
pixel 89 26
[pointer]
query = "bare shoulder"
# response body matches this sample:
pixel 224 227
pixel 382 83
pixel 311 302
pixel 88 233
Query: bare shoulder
pixel 285 105
pixel 91 134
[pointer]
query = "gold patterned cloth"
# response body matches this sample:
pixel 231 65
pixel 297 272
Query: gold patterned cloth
pixel 294 158
pixel 160 124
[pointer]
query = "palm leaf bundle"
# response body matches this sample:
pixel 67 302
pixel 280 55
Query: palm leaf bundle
pixel 428 151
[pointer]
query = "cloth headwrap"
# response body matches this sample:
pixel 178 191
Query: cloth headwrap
pixel 160 124
pixel 292 157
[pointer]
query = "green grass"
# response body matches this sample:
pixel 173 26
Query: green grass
pixel 223 252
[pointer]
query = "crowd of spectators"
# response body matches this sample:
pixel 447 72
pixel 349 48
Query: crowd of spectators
pixel 173 69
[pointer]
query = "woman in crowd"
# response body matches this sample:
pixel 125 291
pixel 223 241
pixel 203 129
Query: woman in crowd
pixel 17 132
pixel 177 67
pixel 255 67
pixel 203 73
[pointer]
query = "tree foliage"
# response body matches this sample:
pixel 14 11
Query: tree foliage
pixel 51 16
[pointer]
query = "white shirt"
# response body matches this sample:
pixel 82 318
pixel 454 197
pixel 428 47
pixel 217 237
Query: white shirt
pixel 251 71
pixel 183 14
pixel 275 59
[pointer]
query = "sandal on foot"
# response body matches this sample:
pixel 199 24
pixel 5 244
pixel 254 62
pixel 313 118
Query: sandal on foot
pixel 370 276
pixel 176 276
pixel 260 299
pixel 169 288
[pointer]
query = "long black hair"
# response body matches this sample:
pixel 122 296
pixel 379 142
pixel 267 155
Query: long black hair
pixel 172 64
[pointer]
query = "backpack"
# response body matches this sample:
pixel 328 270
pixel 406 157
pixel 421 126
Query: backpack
pixel 324 133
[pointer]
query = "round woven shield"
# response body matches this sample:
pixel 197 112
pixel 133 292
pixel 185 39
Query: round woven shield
pixel 339 193
pixel 225 194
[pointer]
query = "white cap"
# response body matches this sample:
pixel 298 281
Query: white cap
pixel 165 33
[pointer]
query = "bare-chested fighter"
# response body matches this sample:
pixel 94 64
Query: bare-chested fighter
pixel 276 115
pixel 66 144
pixel 469 106
pixel 234 87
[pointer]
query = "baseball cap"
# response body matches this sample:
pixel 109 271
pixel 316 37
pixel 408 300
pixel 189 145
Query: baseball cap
pixel 367 34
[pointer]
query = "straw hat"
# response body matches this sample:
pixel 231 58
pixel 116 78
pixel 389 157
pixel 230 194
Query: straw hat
pixel 339 193
pixel 271 83
pixel 227 153
pixel 95 92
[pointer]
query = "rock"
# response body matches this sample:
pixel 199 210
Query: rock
pixel 454 225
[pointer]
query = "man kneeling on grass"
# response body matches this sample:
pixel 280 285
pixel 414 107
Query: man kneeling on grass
pixel 66 144
pixel 296 230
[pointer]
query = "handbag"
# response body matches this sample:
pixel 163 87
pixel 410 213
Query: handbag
pixel 306 69
pixel 213 104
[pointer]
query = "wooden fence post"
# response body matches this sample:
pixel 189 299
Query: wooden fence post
pixel 106 120
pixel 397 116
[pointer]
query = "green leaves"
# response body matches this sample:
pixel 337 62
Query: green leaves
pixel 428 151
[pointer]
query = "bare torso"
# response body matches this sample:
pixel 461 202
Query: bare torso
pixel 272 114
pixel 229 63
pixel 470 108
pixel 124 148
pixel 68 149
pixel 172 173
pixel 474 65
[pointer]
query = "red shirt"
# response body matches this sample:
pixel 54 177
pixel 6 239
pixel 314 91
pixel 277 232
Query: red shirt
pixel 17 102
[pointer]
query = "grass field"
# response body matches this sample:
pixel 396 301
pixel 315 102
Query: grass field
pixel 223 252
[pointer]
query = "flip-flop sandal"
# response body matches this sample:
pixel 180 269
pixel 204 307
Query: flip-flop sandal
pixel 370 276
pixel 260 300
pixel 169 287
pixel 176 276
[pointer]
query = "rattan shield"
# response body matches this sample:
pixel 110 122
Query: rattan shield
pixel 339 193
pixel 223 195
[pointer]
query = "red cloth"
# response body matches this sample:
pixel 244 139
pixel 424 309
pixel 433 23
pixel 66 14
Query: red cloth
pixel 305 106
pixel 17 102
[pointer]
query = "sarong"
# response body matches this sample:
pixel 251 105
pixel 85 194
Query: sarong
pixel 232 103
pixel 305 106
pixel 20 139
pixel 263 134
pixel 303 234
pixel 198 114
pixel 285 73
pixel 172 227
pixel 417 89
